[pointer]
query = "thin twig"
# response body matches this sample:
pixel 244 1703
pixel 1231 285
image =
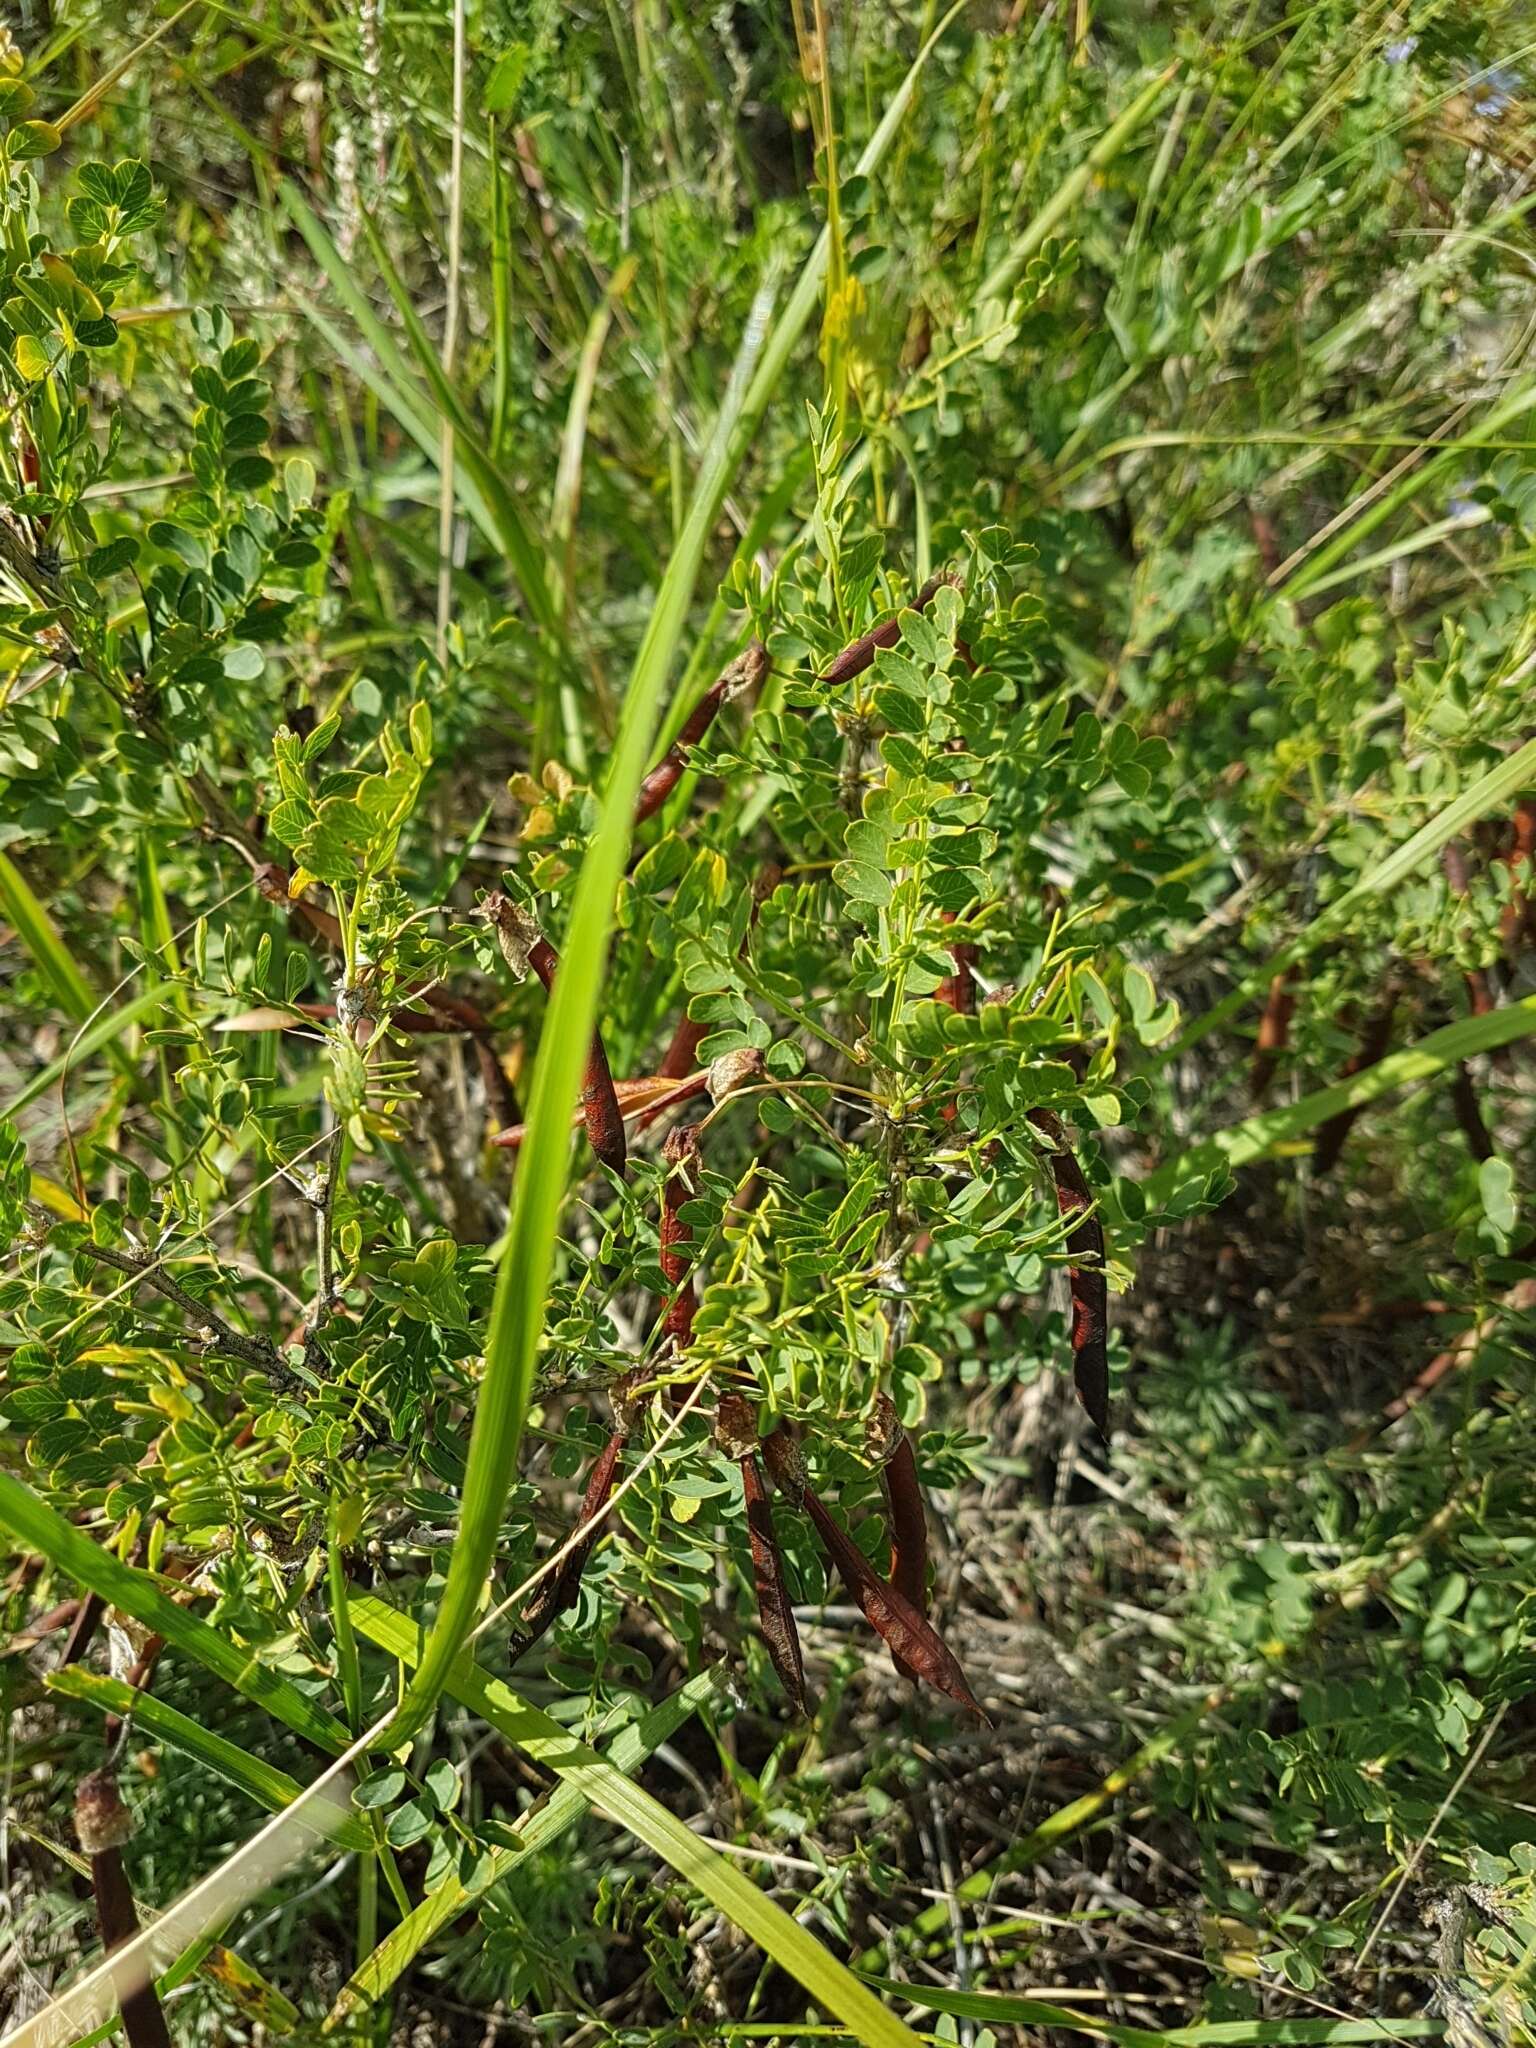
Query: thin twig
pixel 259 1352
pixel 1441 1811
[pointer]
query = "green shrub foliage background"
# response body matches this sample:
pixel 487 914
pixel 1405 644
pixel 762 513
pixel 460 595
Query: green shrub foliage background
pixel 408 415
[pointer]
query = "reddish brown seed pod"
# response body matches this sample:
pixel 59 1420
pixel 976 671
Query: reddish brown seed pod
pixel 1087 1283
pixel 561 1590
pixel 1274 1034
pixel 1377 1037
pixel 744 673
pixel 860 654
pixel 102 1825
pixel 736 1435
pixel 909 1525
pixel 681 1055
pixel 1517 926
pixel 958 990
pixel 681 1153
pixel 917 1649
pixel 524 946
pixel 1455 865
pixel 907 1516
pixel 915 1645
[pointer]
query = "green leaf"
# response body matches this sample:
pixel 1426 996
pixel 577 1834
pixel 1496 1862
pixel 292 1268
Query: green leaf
pixel 115 555
pixel 33 139
pixel 1503 781
pixel 1254 1138
pixel 478 482
pixel 1002 2009
pixel 381 1790
pixel 856 878
pixel 1496 1185
pixel 106 1030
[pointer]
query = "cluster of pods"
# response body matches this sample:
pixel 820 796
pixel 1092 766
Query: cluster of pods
pixel 894 1603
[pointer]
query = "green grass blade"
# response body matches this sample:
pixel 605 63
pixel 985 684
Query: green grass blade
pixel 1409 544
pixel 1003 276
pixel 42 1528
pixel 1001 2009
pixel 155 915
pixel 792 321
pixel 1500 785
pixel 1060 1826
pixel 47 950
pixel 517 1311
pixel 106 1030
pixel 728 1889
pixel 1449 461
pixel 543 1824
pixel 267 1785
pixel 573 441
pixel 508 526
pixel 1240 1144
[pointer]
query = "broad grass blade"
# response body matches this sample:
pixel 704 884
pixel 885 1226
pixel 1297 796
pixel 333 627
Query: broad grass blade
pixel 543 1824
pixel 1240 1144
pixel 729 1890
pixel 42 1528
pixel 265 1783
